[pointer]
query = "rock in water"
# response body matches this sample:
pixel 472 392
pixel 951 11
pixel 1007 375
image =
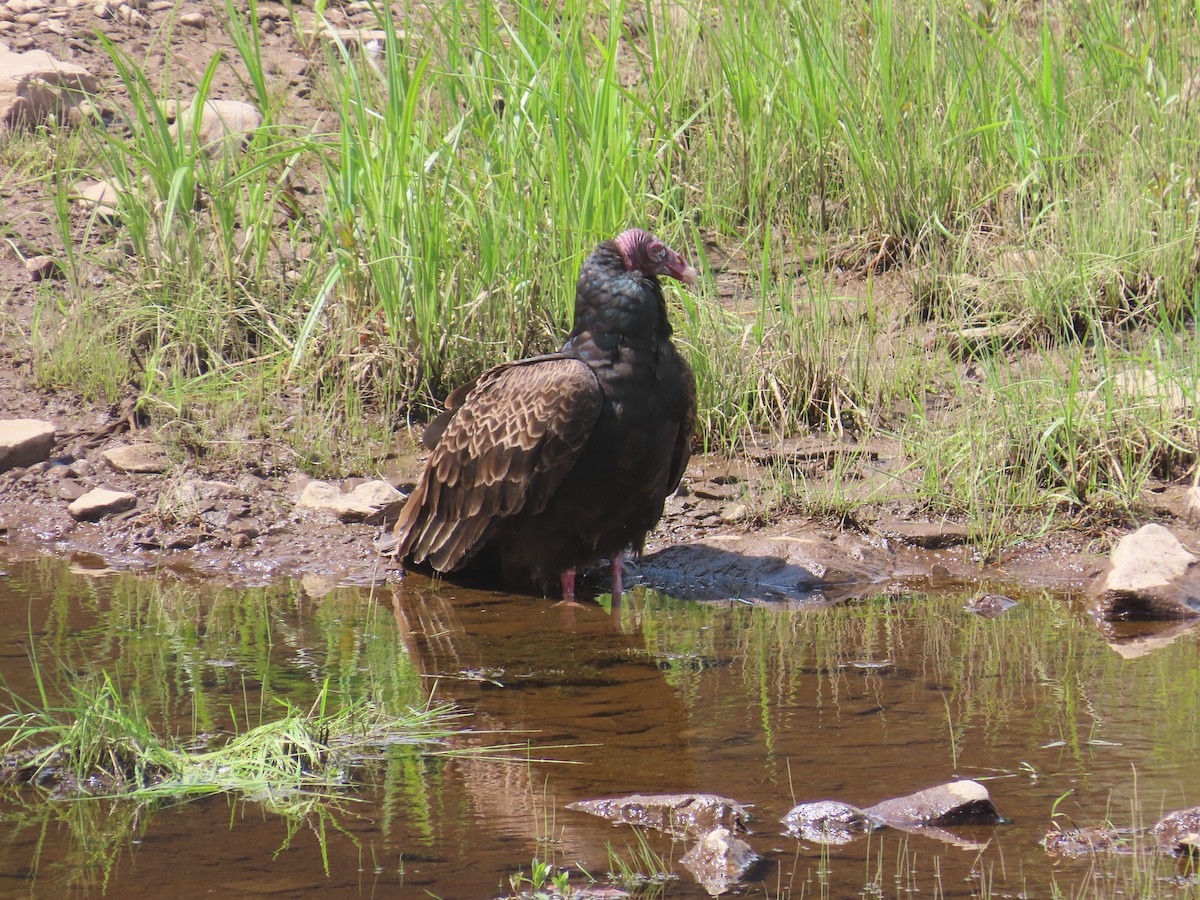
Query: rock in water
pixel 556 461
pixel 962 802
pixel 1151 575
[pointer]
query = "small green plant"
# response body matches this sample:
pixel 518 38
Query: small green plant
pixel 639 867
pixel 544 882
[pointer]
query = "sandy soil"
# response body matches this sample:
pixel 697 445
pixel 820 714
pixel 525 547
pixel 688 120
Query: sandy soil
pixel 238 521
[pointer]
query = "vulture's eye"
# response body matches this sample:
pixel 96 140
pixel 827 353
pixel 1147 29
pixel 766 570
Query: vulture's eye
pixel 657 252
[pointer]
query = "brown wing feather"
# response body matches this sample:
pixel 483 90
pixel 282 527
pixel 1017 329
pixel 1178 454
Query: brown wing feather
pixel 504 449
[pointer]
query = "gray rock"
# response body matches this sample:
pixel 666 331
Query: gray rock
pixel 678 814
pixel 24 442
pixel 955 803
pixel 34 86
pixel 1150 576
pixel 98 196
pixel 1145 387
pixel 369 39
pixel 43 268
pixel 139 458
pixel 732 513
pixel 718 860
pixel 368 499
pixel 827 822
pixel 101 502
pixel 223 126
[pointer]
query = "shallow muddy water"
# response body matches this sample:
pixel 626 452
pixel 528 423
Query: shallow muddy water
pixel 768 706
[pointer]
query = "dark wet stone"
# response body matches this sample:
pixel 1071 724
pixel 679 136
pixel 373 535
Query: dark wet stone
pixel 70 490
pixel 1178 833
pixel 215 518
pixel 679 814
pixel 798 451
pixel 827 822
pixel 719 859
pixel 183 540
pixel 147 538
pixel 1150 576
pixel 990 605
pixel 926 535
pixel 708 490
pixel 955 803
pixel 245 528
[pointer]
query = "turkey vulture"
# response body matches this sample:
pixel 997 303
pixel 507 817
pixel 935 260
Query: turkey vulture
pixel 554 462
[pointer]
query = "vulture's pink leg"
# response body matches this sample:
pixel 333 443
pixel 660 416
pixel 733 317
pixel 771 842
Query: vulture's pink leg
pixel 568 584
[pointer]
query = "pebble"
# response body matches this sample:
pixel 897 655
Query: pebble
pixel 43 268
pixel 127 15
pixel 141 458
pixel 193 20
pixel 100 502
pixel 100 196
pixel 70 490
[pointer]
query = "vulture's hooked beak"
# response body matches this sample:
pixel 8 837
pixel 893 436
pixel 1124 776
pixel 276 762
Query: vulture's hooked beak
pixel 681 270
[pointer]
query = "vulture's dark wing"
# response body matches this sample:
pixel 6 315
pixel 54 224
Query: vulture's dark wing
pixel 503 449
pixel 682 451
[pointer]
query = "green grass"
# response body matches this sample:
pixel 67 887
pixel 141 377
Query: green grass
pixel 101 743
pixel 1029 172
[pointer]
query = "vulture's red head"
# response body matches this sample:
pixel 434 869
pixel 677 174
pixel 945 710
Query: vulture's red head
pixel 645 253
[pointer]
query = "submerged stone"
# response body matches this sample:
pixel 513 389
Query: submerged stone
pixel 827 822
pixel 989 605
pixel 1075 842
pixel 719 859
pixel 678 814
